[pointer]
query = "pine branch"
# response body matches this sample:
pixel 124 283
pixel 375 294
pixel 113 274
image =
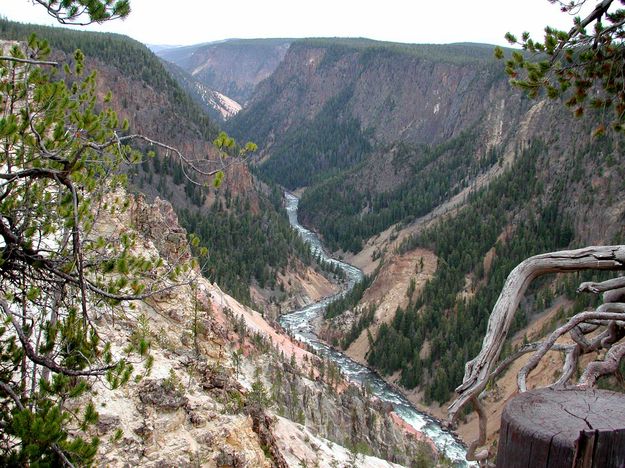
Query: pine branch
pixel 9 391
pixel 30 61
pixel 45 361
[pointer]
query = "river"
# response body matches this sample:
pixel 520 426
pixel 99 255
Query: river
pixel 299 323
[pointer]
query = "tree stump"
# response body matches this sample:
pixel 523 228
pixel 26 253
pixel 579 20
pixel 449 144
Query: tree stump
pixel 563 428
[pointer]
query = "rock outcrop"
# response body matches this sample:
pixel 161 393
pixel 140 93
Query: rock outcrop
pixel 232 67
pixel 205 394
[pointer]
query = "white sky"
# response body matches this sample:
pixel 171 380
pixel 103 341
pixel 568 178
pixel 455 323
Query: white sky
pixel 183 22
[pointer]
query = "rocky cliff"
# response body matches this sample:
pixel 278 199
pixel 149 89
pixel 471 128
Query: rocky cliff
pixel 218 377
pixel 416 93
pixel 232 67
pixel 216 104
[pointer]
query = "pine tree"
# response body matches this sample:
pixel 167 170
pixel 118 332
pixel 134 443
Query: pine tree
pixel 585 66
pixel 58 167
pixel 60 149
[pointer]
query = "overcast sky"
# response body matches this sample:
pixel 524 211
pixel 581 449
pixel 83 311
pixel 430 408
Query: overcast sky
pixel 183 22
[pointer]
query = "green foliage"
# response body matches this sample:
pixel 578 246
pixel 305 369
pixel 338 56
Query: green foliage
pixel 311 153
pixel 234 402
pixel 243 246
pixel 42 430
pixel 59 170
pixel 349 300
pixel 366 318
pixel 258 395
pixel 583 66
pixel 454 326
pixel 172 383
pixel 85 11
pixel 347 212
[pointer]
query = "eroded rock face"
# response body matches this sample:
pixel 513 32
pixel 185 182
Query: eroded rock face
pixel 166 415
pixel 345 416
pixel 159 222
pixel 193 405
pixel 162 394
pixel 232 67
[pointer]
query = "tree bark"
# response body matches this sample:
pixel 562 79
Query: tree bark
pixel 563 428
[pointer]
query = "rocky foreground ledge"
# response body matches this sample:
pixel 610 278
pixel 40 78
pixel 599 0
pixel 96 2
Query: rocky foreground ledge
pixel 224 388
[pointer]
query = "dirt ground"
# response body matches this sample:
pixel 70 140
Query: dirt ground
pixel 389 290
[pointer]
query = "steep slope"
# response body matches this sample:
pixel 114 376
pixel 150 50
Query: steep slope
pixel 217 376
pixel 396 87
pixel 156 106
pixel 538 205
pixel 218 106
pixel 392 113
pixel 232 67
pixel 380 92
pixel 427 147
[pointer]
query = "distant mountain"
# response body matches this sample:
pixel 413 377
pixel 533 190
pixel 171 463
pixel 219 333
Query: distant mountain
pixel 218 106
pixel 160 47
pixel 232 67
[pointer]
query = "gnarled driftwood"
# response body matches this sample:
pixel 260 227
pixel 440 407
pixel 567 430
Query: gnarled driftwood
pixel 480 369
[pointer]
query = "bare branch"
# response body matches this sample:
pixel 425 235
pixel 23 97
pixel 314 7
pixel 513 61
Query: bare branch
pixel 600 10
pixel 187 162
pixel 549 342
pixel 481 440
pixel 9 391
pixel 477 371
pixel 569 367
pixel 31 61
pixel 614 283
pixel 528 348
pixel 608 365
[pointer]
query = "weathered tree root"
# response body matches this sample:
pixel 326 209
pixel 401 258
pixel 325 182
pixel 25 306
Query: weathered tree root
pixel 479 370
pixel 609 365
pixel 549 342
pixel 483 454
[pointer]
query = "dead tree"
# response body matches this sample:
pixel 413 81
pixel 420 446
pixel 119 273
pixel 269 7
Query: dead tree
pixel 591 331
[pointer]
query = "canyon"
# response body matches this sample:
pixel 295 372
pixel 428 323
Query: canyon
pixel 417 164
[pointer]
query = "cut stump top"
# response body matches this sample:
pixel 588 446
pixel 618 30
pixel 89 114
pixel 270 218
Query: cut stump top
pixel 542 427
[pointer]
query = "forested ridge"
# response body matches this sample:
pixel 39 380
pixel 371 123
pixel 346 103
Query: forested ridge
pixel 346 211
pixel 319 129
pixel 245 245
pixel 332 142
pixel 461 53
pixel 518 215
pixel 131 58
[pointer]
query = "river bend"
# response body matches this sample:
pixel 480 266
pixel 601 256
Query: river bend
pixel 299 324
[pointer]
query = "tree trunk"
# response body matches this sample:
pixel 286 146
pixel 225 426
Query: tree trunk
pixel 564 428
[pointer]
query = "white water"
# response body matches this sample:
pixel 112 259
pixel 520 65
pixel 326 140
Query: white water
pixel 299 324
